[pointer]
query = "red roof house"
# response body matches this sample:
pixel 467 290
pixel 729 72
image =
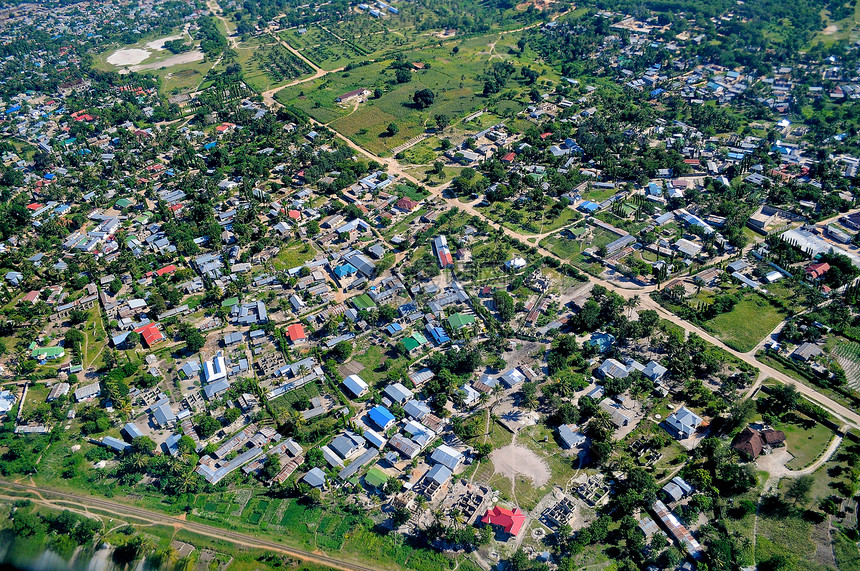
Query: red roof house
pixel 510 521
pixel 32 297
pixel 294 215
pixel 150 333
pixel 815 271
pixel 296 333
pixel 509 157
pixel 406 204
pixel 545 136
pixel 169 269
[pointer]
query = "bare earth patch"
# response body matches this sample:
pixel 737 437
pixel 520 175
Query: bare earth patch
pixel 187 57
pixel 128 56
pixel 830 30
pixel 513 460
pixel 159 43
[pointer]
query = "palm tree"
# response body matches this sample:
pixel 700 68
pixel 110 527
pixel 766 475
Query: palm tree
pixel 631 304
pixel 602 420
pixel 186 476
pixel 163 558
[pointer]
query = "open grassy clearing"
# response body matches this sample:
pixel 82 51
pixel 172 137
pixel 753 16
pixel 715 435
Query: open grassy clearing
pixel 293 255
pixel 571 249
pixel 100 60
pixel 748 323
pixel 526 221
pixel 805 439
pixel 779 535
pixel 539 439
pixel 837 31
pixel 282 406
pixel 182 78
pixel 424 152
pixel 455 80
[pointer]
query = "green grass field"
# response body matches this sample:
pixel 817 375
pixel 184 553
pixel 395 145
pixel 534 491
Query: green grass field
pixel 455 80
pixel 530 222
pixel 747 324
pixel 571 249
pixel 282 406
pixel 293 255
pixel 806 440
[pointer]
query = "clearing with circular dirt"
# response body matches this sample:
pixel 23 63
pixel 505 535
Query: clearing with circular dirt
pixel 513 460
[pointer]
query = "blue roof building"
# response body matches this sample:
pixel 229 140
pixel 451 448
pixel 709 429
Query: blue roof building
pixel 115 443
pixel 345 270
pixel 438 334
pixel 394 328
pixel 381 417
pixel 603 341
pixel 132 431
pixel 588 206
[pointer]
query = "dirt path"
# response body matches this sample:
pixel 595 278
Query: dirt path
pixel 626 290
pixel 120 510
pixel 269 95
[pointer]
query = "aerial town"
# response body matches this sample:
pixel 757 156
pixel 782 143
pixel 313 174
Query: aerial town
pixel 430 286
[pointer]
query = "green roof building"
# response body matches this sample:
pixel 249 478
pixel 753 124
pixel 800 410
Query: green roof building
pixel 362 301
pixel 414 341
pixel 375 477
pixel 49 353
pixel 123 203
pixel 460 320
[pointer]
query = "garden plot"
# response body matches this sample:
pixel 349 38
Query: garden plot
pixel 847 354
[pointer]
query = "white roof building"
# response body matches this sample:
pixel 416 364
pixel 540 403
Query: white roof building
pixel 215 369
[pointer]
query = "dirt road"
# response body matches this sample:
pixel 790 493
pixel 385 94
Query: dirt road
pixel 393 167
pixel 121 510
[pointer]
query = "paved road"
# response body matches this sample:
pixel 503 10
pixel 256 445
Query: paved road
pixel 121 510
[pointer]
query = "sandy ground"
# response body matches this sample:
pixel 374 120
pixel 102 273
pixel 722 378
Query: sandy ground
pixel 187 57
pixel 129 56
pixel 512 460
pixel 159 44
pixel 830 30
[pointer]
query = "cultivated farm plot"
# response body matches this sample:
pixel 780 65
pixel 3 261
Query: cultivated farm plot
pixel 322 48
pixel 847 354
pixel 269 64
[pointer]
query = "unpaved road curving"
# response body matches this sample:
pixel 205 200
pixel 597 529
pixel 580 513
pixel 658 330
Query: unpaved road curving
pixel 121 510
